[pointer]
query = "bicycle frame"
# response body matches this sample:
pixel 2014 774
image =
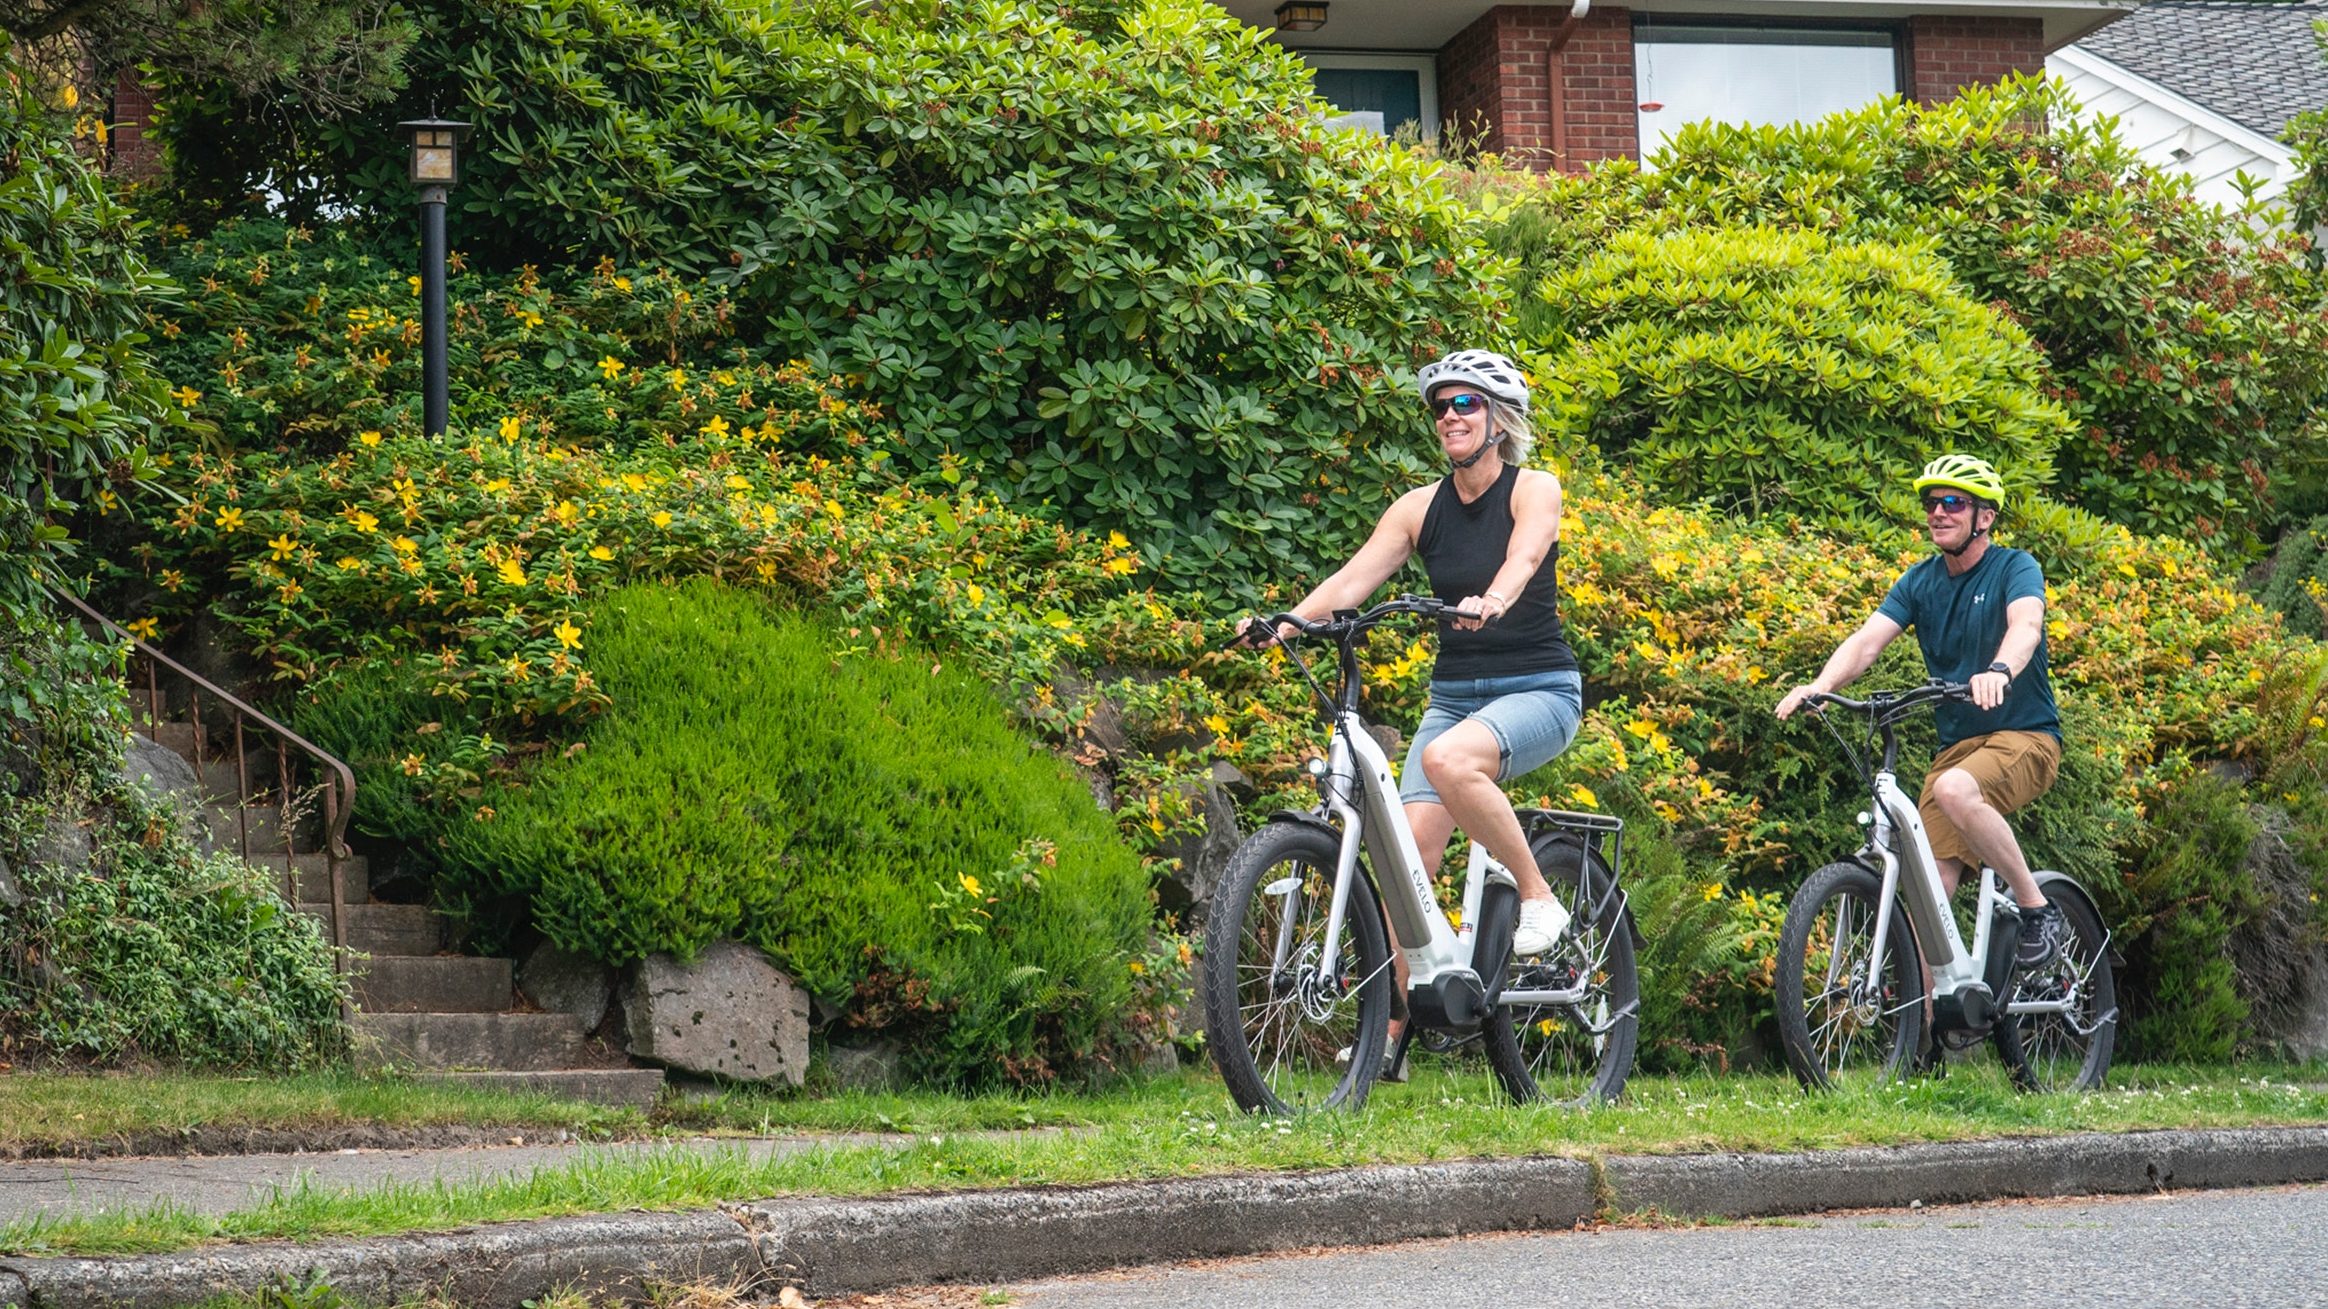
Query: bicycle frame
pixel 1911 874
pixel 1360 800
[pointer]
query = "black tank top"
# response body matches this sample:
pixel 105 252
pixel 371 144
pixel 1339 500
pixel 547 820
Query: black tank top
pixel 1463 547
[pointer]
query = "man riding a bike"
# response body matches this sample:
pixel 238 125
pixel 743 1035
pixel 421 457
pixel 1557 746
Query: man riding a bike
pixel 1978 609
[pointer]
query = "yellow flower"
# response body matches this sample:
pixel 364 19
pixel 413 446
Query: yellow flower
pixel 2127 569
pixel 510 429
pixel 1713 891
pixel 634 482
pixel 1582 795
pixel 229 519
pixel 1137 967
pixel 350 562
pixel 364 521
pixel 186 396
pixel 736 482
pixel 660 518
pixel 601 553
pixel 565 513
pixel 1218 724
pixel 144 629
pixel 1118 541
pixel 767 570
pixel 622 284
pixel 283 546
pixel 368 437
pixel 833 509
pixel 568 635
pixel 718 426
pixel 171 579
pixel 412 765
pixel 519 669
pixel 529 317
pixel 497 485
pixel 678 379
pixel 512 572
pixel 1121 565
pixel 977 594
pixel 609 366
pixel 404 545
pixel 413 282
pixel 969 883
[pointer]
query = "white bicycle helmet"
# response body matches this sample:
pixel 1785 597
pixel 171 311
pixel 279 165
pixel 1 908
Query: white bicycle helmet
pixel 1492 373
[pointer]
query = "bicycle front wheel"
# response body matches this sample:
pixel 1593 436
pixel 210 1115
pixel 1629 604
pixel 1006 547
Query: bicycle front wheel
pixel 1577 1053
pixel 2066 1048
pixel 1845 1017
pixel 1289 1028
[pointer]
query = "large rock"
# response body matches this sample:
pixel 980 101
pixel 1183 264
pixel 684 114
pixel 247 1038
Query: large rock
pixel 730 1014
pixel 1203 855
pixel 164 773
pixel 562 982
pixel 11 895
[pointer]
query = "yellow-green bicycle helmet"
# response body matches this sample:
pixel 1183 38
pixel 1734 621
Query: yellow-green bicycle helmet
pixel 1963 473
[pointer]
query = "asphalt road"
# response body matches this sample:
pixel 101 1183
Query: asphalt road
pixel 2217 1250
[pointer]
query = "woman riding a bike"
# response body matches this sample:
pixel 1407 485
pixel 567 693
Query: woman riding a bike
pixel 1505 695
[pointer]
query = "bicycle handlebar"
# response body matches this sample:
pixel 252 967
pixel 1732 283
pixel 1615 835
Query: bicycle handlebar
pixel 1345 623
pixel 1886 706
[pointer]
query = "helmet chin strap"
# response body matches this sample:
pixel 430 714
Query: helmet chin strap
pixel 1494 439
pixel 1958 552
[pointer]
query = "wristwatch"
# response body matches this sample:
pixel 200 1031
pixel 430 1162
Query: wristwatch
pixel 2001 667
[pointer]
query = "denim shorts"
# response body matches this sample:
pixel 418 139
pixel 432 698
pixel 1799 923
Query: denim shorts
pixel 1533 715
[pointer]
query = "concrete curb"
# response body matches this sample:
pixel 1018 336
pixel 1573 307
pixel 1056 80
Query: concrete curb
pixel 839 1246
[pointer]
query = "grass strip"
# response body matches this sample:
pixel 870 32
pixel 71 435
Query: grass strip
pixel 1184 1127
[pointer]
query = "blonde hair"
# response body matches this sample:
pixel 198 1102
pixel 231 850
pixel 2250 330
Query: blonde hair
pixel 1511 422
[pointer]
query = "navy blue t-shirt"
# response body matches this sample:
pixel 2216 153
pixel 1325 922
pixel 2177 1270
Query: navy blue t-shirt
pixel 1960 622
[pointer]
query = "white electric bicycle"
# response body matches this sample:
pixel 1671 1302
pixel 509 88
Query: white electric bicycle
pixel 1862 934
pixel 1297 979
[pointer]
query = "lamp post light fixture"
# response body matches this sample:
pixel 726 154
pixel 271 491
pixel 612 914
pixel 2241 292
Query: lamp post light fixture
pixel 1301 15
pixel 434 166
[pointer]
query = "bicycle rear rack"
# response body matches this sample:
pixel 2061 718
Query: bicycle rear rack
pixel 1601 837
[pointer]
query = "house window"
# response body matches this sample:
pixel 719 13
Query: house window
pixel 1755 75
pixel 1380 92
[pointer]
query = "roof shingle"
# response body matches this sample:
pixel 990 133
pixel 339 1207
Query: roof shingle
pixel 2256 64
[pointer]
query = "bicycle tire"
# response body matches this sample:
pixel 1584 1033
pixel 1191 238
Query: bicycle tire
pixel 2048 1052
pixel 1837 1024
pixel 1274 1038
pixel 1576 1054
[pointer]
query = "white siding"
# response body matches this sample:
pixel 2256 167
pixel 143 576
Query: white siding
pixel 2172 133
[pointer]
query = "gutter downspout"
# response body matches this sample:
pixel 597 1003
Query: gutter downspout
pixel 1556 81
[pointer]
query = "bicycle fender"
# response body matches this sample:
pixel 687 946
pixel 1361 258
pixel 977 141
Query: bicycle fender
pixel 1306 819
pixel 2055 883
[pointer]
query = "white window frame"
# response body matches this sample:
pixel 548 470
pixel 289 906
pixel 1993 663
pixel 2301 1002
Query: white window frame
pixel 1425 66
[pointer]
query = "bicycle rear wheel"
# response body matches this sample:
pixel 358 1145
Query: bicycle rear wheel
pixel 1288 1032
pixel 1844 1017
pixel 1578 1053
pixel 2068 1050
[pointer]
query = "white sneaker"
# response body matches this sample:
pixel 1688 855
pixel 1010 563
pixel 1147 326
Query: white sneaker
pixel 1541 923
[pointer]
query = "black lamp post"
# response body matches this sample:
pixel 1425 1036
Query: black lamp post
pixel 436 166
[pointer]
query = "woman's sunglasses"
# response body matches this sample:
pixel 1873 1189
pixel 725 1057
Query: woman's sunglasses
pixel 1954 504
pixel 1464 405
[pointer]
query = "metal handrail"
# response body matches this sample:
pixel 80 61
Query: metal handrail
pixel 339 786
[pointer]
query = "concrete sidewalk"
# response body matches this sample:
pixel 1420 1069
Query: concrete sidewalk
pixel 840 1246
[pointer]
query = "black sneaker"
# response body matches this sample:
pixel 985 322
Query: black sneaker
pixel 2043 933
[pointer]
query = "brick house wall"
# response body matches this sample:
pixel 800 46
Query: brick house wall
pixel 1493 77
pixel 1946 55
pixel 1493 80
pixel 134 156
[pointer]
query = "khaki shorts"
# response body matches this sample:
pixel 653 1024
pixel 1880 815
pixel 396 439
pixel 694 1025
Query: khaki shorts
pixel 2012 768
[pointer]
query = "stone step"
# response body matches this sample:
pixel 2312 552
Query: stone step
pixel 314 885
pixel 252 830
pixel 634 1088
pixel 444 1042
pixel 177 737
pixel 265 780
pixel 386 929
pixel 436 984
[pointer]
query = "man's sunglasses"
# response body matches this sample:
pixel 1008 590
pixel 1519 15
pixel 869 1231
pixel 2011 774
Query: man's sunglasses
pixel 1954 504
pixel 1465 405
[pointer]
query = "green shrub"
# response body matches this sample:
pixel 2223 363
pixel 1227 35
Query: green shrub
pixel 2297 589
pixel 77 399
pixel 302 342
pixel 874 824
pixel 1769 371
pixel 1123 274
pixel 2176 911
pixel 2185 345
